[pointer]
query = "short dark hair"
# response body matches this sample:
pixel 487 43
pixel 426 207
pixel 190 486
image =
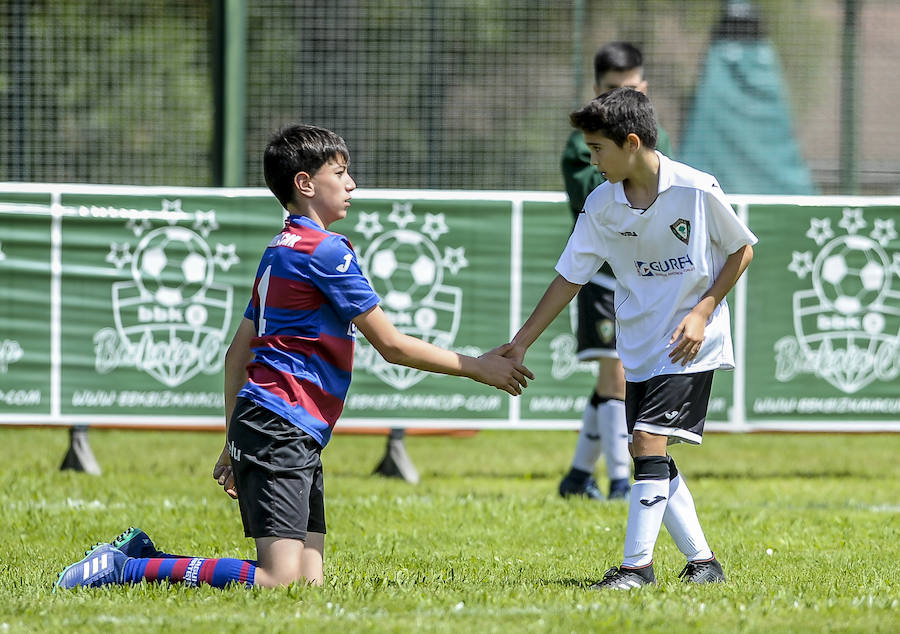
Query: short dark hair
pixel 298 148
pixel 617 113
pixel 617 56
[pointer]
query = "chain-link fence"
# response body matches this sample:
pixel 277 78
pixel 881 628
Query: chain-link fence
pixel 449 94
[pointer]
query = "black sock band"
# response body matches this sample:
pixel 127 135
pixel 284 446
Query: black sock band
pixel 596 399
pixel 673 470
pixel 651 468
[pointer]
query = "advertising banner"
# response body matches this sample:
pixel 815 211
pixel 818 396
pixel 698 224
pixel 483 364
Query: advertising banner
pixel 118 304
pixel 823 315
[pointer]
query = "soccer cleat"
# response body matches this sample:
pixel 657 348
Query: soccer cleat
pixel 706 571
pixel 623 578
pixel 619 489
pixel 135 543
pixel 570 487
pixel 101 566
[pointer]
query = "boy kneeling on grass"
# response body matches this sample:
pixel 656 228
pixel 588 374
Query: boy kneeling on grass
pixel 287 372
pixel 676 248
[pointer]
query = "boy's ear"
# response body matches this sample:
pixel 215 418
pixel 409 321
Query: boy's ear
pixel 304 185
pixel 633 142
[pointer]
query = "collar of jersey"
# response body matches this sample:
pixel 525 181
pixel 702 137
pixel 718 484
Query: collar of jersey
pixel 665 182
pixel 297 220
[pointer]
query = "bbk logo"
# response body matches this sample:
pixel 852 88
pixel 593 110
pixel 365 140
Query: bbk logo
pixel 663 268
pixel 409 271
pixel 847 322
pixel 171 317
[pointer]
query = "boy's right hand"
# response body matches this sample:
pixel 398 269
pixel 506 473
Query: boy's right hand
pixel 502 372
pixel 513 351
pixel 223 474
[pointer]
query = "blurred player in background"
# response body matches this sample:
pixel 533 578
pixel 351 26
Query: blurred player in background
pixel 603 420
pixel 676 248
pixel 287 372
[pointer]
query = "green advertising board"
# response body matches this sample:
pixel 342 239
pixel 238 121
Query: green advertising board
pixel 823 316
pixel 118 304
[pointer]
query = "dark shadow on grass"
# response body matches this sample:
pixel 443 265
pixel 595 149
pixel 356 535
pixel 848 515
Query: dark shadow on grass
pixel 571 583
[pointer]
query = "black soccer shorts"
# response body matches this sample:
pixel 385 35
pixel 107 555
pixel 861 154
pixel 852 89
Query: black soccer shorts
pixel 672 405
pixel 278 474
pixel 596 332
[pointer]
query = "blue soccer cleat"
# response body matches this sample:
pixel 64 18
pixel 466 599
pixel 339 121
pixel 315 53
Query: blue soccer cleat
pixel 135 543
pixel 101 566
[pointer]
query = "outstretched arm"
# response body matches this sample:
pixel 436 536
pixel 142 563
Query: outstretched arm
pixel 556 297
pixel 690 332
pixel 396 347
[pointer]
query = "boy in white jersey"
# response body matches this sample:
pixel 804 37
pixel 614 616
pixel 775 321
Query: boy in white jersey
pixel 676 248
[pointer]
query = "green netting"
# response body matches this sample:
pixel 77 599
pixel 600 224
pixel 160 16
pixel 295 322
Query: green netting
pixel 440 93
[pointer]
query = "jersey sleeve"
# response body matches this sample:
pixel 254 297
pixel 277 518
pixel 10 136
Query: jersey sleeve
pixel 581 258
pixel 725 228
pixel 335 270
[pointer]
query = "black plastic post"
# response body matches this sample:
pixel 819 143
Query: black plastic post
pixel 79 457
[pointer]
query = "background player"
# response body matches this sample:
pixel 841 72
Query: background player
pixel 603 420
pixel 287 372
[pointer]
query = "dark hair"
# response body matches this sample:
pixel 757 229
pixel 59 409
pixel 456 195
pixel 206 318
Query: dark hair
pixel 617 56
pixel 617 113
pixel 298 148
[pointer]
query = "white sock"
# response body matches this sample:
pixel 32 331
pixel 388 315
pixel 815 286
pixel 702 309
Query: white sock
pixel 645 513
pixel 682 523
pixel 588 447
pixel 614 432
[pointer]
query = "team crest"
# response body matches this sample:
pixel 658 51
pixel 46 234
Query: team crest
pixel 409 272
pixel 681 229
pixel 847 325
pixel 171 317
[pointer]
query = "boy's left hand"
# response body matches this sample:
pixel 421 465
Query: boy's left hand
pixel 689 338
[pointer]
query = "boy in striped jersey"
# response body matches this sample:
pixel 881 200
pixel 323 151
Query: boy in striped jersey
pixel 287 372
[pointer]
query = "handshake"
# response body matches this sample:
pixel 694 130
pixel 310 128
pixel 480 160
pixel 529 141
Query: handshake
pixel 500 367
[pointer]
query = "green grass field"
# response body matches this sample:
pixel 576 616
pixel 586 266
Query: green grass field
pixel 807 527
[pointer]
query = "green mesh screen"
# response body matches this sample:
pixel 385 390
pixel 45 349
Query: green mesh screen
pixel 439 94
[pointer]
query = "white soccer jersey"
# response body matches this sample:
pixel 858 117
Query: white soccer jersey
pixel 664 259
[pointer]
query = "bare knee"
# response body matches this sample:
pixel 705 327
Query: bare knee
pixel 646 444
pixel 311 563
pixel 278 561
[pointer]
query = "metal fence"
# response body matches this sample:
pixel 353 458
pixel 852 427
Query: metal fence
pixel 452 94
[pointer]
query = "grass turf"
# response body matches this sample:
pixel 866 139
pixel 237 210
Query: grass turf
pixel 807 528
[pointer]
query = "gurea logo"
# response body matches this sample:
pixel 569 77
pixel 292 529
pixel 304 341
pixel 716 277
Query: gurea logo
pixel 669 266
pixel 409 271
pixel 847 324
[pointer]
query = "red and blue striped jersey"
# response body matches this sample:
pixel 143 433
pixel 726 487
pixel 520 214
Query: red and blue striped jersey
pixel 308 288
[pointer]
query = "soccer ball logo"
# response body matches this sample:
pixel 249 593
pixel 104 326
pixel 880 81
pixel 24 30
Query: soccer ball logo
pixel 850 273
pixel 405 268
pixel 172 265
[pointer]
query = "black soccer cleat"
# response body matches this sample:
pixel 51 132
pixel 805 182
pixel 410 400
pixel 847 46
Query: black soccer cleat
pixel 619 489
pixel 705 571
pixel 569 487
pixel 623 578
